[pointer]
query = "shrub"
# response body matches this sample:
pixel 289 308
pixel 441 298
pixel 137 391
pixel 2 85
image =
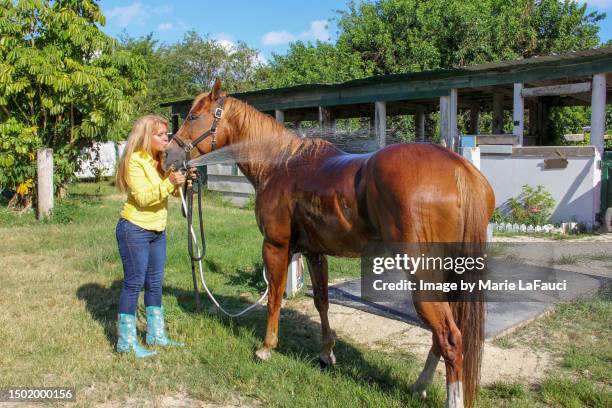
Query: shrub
pixel 499 217
pixel 532 207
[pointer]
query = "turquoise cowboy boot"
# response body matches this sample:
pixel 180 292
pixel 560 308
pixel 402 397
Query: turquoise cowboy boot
pixel 156 331
pixel 128 341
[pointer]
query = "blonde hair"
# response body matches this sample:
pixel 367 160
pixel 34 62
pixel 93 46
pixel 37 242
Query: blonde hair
pixel 138 139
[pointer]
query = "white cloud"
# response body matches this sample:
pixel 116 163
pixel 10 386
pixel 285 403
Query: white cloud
pixel 162 9
pixel 599 4
pixel 165 27
pixel 277 37
pixel 318 31
pixel 225 40
pixel 260 59
pixel 228 45
pixel 134 13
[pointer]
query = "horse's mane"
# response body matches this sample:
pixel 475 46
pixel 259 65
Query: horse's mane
pixel 278 144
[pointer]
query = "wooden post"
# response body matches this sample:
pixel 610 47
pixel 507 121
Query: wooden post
pixel 498 114
pixel 533 120
pixel 598 128
pixel 44 196
pixel 598 112
pixel 472 154
pixel 295 276
pixel 297 128
pixel 444 123
pixel 380 123
pixel 327 121
pixel 518 113
pixel 474 118
pixel 419 124
pixel 545 120
pixel 279 115
pixel 452 120
pixel 175 122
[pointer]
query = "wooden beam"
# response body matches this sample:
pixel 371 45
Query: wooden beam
pixel 380 123
pixel 424 85
pixel 518 113
pixel 474 118
pixel 554 151
pixel 297 128
pixel 279 115
pixel 498 113
pixel 555 90
pixel 419 124
pixel 444 119
pixel 598 113
pixel 327 120
pixel 452 120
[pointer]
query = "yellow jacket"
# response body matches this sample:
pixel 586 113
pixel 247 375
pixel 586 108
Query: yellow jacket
pixel 147 201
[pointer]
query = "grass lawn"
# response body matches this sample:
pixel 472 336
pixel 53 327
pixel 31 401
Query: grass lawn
pixel 60 289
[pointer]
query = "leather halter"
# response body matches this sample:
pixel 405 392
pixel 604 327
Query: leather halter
pixel 212 132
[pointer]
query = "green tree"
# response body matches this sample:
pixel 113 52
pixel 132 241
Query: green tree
pixel 415 35
pixel 199 60
pixel 63 84
pixel 313 63
pixel 183 69
pixel 162 84
pixel 394 36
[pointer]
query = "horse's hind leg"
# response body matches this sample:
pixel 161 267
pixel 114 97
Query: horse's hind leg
pixel 446 340
pixel 426 377
pixel 317 266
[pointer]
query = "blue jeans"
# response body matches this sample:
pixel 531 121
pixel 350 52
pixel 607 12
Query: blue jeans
pixel 143 254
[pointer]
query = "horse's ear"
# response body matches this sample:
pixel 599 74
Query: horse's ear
pixel 216 91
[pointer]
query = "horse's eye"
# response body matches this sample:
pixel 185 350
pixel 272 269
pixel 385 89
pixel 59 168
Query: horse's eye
pixel 193 117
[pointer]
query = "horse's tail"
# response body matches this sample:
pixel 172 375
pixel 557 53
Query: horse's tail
pixel 476 197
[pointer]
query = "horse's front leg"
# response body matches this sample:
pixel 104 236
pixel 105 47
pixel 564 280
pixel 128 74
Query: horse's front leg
pixel 317 266
pixel 276 258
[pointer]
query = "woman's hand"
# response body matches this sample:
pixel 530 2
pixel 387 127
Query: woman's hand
pixel 176 178
pixel 193 173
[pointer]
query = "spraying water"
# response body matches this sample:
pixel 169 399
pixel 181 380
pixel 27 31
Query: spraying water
pixel 224 155
pixel 358 141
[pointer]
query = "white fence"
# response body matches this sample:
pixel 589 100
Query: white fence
pixel 100 159
pixel 230 182
pixel 563 228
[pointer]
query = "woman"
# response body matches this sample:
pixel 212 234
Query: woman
pixel 141 232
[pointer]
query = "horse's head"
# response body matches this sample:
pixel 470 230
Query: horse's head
pixel 202 130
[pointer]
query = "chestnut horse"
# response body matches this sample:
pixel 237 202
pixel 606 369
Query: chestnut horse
pixel 315 199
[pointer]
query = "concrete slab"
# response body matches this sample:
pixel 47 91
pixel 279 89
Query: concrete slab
pixel 505 310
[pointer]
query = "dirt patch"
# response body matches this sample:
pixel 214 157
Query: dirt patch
pixel 518 363
pixel 166 401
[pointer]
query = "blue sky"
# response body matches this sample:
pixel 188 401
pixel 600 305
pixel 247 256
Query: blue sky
pixel 267 26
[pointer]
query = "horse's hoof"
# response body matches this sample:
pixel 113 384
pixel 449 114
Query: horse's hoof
pixel 263 354
pixel 327 361
pixel 418 391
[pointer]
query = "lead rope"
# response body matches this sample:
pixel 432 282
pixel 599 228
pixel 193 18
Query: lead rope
pixel 200 255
